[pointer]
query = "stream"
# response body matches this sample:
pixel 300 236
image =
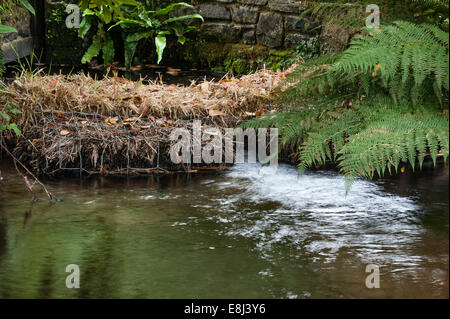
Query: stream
pixel 240 233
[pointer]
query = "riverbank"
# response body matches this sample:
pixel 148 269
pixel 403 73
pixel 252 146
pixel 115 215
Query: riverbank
pixel 117 126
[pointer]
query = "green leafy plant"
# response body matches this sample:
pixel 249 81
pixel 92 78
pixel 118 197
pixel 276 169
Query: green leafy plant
pixel 98 14
pixel 136 22
pixel 144 24
pixel 105 10
pixel 8 29
pixel 5 119
pixel 407 60
pixel 380 103
pixel 341 20
pixel 369 138
pixel 392 138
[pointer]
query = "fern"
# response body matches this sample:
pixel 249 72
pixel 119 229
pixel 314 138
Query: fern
pixel 309 79
pixel 351 15
pixel 372 107
pixel 326 140
pixel 292 127
pixel 295 122
pixel 390 139
pixel 403 53
pixel 345 15
pixel 365 140
pixel 407 60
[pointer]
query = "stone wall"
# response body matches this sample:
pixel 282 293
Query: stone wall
pixel 272 23
pixel 22 24
pixel 237 35
pixel 16 44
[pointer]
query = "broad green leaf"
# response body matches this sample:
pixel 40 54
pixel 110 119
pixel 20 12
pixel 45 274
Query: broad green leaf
pixel 88 12
pixel 85 26
pixel 131 43
pixel 129 2
pixel 27 5
pixel 189 16
pixel 6 29
pixel 93 50
pixel 83 5
pixel 130 49
pixel 107 16
pixel 178 29
pixel 429 11
pixel 108 50
pixel 169 8
pixel 126 22
pixel 13 126
pixel 6 116
pixel 117 11
pixel 182 39
pixel 160 42
pixel 145 19
pixel 139 36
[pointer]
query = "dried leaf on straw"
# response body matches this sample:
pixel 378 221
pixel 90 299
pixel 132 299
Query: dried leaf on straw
pixel 64 132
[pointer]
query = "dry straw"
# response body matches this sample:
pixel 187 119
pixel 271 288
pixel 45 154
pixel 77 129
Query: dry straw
pixel 115 125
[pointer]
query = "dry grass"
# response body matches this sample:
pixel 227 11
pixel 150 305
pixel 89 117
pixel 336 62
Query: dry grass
pixel 114 124
pixel 230 98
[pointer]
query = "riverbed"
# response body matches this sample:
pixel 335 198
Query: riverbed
pixel 241 233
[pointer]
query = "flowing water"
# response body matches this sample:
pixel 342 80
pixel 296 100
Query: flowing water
pixel 241 233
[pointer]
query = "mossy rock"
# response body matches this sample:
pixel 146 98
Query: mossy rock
pixel 236 57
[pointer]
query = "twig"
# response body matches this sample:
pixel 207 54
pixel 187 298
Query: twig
pixel 27 183
pixel 181 161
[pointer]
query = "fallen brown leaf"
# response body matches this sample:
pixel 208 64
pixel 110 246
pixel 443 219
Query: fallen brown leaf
pixel 215 112
pixel 110 121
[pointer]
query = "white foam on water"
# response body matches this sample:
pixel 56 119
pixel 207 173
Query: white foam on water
pixel 312 212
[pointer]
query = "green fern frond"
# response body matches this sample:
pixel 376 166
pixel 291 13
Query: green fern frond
pixel 372 107
pixel 333 13
pixel 408 60
pixel 326 140
pixel 292 126
pixel 309 79
pixel 417 52
pixel 392 139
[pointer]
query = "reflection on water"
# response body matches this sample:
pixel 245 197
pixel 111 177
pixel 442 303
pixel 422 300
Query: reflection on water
pixel 238 234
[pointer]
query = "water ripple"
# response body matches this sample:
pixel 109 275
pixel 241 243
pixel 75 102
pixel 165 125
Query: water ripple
pixel 312 213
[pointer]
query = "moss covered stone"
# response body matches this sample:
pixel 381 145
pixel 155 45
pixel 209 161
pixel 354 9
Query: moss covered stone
pixel 236 57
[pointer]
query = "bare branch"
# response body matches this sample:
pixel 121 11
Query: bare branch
pixel 25 179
